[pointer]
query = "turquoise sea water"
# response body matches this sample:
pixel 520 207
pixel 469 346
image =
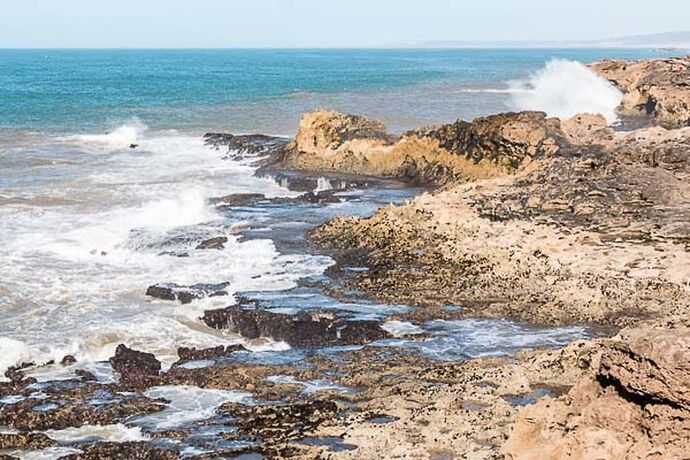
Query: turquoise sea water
pixel 258 90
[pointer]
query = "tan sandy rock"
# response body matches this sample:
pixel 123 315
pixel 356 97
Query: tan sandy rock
pixel 657 87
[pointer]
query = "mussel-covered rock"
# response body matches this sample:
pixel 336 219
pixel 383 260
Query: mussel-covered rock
pixel 186 294
pixel 302 330
pixel 137 369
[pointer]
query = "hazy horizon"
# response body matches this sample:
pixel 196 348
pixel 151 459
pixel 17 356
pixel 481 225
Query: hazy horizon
pixel 301 24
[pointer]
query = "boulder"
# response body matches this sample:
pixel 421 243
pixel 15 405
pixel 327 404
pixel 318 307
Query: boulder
pixel 505 139
pixel 658 87
pixel 237 199
pixel 302 330
pixel 635 403
pixel 186 294
pixel 436 155
pixel 248 144
pixel 193 354
pixel 213 243
pixel 25 441
pixel 137 369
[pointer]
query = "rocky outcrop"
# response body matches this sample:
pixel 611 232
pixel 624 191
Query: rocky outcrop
pixel 193 354
pixel 187 294
pixel 302 330
pixel 506 140
pixel 213 243
pixel 595 233
pixel 129 450
pixel 136 368
pixel 237 199
pixel 634 404
pixel 659 87
pixel 245 145
pixel 25 441
pixel 487 147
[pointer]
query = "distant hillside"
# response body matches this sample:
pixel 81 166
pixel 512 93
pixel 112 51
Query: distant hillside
pixel 677 40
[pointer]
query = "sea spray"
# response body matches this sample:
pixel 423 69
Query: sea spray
pixel 121 137
pixel 564 89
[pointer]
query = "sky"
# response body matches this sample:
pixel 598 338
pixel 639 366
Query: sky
pixel 324 23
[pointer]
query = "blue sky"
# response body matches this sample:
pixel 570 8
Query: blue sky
pixel 324 23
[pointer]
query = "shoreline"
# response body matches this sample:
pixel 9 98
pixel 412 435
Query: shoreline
pixel 524 217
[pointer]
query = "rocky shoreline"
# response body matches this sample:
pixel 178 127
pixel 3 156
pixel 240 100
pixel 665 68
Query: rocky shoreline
pixel 547 221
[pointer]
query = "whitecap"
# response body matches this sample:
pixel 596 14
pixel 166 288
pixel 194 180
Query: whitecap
pixel 564 89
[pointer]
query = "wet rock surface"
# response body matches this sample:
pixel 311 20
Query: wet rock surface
pixel 123 451
pixel 249 144
pixel 213 243
pixel 301 330
pixel 186 294
pixel 27 441
pixel 194 354
pixel 74 403
pixel 237 199
pixel 136 369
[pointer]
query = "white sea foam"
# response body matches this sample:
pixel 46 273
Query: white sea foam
pixel 323 185
pixel 401 328
pixel 188 404
pixel 12 353
pixel 73 276
pixel 119 138
pixel 566 88
pixel 106 433
pixel 310 386
pixel 52 453
pixel 493 90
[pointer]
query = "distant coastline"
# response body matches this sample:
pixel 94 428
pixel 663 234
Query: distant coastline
pixel 666 41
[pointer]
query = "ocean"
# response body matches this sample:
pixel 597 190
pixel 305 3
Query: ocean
pixel 88 223
pixel 92 91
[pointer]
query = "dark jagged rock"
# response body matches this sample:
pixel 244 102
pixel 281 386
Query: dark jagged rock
pixel 25 441
pixel 506 138
pixel 302 330
pixel 250 144
pixel 213 243
pixel 237 199
pixel 86 376
pixel 280 423
pixel 123 451
pixel 186 294
pixel 74 403
pixel 137 369
pixel 193 354
pixel 16 374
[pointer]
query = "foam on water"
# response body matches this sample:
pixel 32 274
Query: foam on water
pixel 105 433
pixel 188 404
pixel 73 276
pixel 477 338
pixel 401 328
pixel 119 138
pixel 310 386
pixel 564 89
pixel 52 453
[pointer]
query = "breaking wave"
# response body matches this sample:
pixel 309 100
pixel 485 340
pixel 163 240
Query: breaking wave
pixel 564 89
pixel 121 137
